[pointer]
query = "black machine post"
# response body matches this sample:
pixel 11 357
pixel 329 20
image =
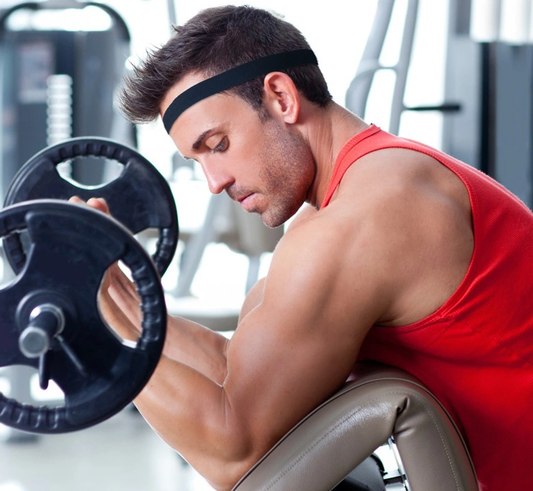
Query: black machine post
pixel 59 78
pixel 492 79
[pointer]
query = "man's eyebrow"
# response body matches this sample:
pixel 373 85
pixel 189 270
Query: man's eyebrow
pixel 196 145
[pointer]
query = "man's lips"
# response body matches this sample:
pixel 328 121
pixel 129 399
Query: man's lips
pixel 247 201
pixel 243 197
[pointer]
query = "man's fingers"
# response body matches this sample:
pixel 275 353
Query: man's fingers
pixel 96 203
pixel 77 200
pixel 99 204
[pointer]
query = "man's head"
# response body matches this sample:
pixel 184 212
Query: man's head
pixel 248 137
pixel 215 41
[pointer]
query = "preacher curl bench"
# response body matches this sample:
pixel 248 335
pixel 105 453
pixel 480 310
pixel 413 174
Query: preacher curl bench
pixel 381 402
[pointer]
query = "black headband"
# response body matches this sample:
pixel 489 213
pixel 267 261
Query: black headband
pixel 235 76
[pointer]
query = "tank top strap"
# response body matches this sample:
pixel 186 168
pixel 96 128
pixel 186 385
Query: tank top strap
pixel 355 148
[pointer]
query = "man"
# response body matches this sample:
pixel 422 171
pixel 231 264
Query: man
pixel 406 257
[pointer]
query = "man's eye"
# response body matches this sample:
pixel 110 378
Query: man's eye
pixel 222 146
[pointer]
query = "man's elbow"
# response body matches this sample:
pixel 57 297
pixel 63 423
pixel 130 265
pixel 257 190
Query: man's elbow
pixel 229 473
pixel 235 452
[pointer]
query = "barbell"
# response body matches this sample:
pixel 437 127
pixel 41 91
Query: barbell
pixel 50 317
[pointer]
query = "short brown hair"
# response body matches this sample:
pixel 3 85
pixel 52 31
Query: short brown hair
pixel 212 42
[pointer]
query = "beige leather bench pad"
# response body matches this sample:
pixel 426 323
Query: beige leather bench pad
pixel 381 402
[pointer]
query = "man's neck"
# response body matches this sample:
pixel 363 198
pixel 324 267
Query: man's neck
pixel 328 130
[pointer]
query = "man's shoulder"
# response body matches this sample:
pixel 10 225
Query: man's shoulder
pixel 335 236
pixel 333 258
pixel 382 180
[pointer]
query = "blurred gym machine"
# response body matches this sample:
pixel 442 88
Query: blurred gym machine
pixel 358 92
pixel 61 61
pixel 490 72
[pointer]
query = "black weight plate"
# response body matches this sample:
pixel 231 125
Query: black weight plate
pixel 71 247
pixel 140 198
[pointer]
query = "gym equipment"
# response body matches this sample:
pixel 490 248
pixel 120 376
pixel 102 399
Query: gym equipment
pixel 379 403
pixel 491 76
pixel 60 64
pixel 140 198
pixel 51 321
pixel 359 90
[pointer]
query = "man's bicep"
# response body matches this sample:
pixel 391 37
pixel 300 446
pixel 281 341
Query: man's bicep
pixel 298 345
pixel 255 295
pixel 253 298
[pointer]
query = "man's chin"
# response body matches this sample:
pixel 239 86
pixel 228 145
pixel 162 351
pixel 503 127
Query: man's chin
pixel 274 220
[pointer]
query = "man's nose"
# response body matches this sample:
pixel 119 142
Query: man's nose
pixel 218 179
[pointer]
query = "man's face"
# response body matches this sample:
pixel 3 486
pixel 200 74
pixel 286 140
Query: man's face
pixel 263 165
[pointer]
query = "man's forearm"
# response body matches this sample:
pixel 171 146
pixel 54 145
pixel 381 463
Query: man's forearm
pixel 186 342
pixel 198 347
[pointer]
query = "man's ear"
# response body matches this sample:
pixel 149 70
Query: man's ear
pixel 281 98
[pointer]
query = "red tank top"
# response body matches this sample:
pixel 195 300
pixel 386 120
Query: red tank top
pixel 475 353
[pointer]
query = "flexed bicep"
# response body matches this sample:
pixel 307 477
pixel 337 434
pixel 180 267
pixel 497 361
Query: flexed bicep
pixel 300 343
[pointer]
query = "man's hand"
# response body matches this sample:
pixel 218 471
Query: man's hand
pixel 96 203
pixel 118 299
pixel 186 342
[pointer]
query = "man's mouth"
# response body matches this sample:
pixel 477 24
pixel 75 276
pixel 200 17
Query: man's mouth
pixel 247 202
pixel 243 197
